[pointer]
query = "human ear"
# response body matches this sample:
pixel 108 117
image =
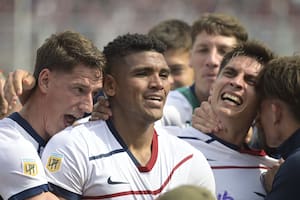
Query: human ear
pixel 43 81
pixel 276 117
pixel 109 86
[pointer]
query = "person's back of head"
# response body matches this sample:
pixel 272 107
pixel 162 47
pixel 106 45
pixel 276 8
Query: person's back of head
pixel 280 79
pixel 63 51
pixel 130 43
pixel 219 24
pixel 187 192
pixel 174 33
pixel 253 49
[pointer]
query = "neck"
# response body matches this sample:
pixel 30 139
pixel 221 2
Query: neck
pixel 32 112
pixel 136 133
pixel 232 132
pixel 201 96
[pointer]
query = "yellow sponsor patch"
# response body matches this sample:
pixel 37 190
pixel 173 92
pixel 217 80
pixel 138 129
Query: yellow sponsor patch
pixel 54 162
pixel 30 167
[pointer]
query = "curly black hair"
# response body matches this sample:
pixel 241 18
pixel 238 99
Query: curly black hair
pixel 129 43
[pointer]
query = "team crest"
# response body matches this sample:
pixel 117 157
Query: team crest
pixel 30 167
pixel 54 162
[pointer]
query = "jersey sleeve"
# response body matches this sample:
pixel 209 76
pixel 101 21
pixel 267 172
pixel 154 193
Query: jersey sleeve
pixel 201 172
pixel 65 168
pixel 22 174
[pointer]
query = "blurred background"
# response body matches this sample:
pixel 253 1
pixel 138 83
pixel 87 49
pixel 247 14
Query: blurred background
pixel 25 24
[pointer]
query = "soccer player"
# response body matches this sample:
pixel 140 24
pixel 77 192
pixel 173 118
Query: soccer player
pixel 125 157
pixel 68 71
pixel 213 35
pixel 235 102
pixel 279 88
pixel 176 35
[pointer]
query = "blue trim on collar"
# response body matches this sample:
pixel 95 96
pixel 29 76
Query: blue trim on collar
pixel 26 126
pixel 121 141
pixel 231 146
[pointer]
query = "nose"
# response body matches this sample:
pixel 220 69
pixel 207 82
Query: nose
pixel 237 82
pixel 213 59
pixel 157 82
pixel 86 103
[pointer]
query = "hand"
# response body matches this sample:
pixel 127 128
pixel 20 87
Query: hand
pixel 268 176
pixel 101 109
pixel 6 109
pixel 205 120
pixel 18 86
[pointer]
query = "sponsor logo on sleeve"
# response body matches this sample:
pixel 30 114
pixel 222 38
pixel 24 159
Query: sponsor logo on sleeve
pixel 54 162
pixel 30 167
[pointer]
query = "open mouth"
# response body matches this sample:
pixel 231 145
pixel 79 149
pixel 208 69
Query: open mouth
pixel 236 100
pixel 154 98
pixel 69 119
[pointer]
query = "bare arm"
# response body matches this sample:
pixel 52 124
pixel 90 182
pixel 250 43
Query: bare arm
pixel 44 196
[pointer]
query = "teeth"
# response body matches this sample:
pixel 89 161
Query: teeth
pixel 232 98
pixel 155 98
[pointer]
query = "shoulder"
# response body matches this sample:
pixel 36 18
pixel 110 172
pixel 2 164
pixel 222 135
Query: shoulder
pixel 12 151
pixel 77 133
pixel 8 130
pixel 171 136
pixel 174 97
pixel 292 163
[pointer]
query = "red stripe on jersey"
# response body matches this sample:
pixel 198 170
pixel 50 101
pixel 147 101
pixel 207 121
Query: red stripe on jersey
pixel 143 192
pixel 239 167
pixel 154 154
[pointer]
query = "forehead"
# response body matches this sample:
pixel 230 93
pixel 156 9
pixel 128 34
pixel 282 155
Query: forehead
pixel 204 38
pixel 244 63
pixel 146 59
pixel 173 56
pixel 83 74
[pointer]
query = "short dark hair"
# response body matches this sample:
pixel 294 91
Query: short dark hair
pixel 130 43
pixel 219 24
pixel 63 51
pixel 280 79
pixel 253 49
pixel 174 33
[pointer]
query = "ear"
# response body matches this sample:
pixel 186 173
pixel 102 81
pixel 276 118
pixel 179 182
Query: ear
pixel 276 113
pixel 44 79
pixel 109 85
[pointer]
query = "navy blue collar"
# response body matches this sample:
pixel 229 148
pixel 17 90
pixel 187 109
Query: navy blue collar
pixel 290 145
pixel 229 145
pixel 26 126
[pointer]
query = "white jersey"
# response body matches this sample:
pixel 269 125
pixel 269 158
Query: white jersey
pixel 179 108
pixel 237 173
pixel 91 161
pixel 22 174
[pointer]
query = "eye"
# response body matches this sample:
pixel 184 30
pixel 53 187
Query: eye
pixel 177 70
pixel 78 90
pixel 251 81
pixel 202 50
pixel 141 73
pixel 228 72
pixel 224 50
pixel 164 74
